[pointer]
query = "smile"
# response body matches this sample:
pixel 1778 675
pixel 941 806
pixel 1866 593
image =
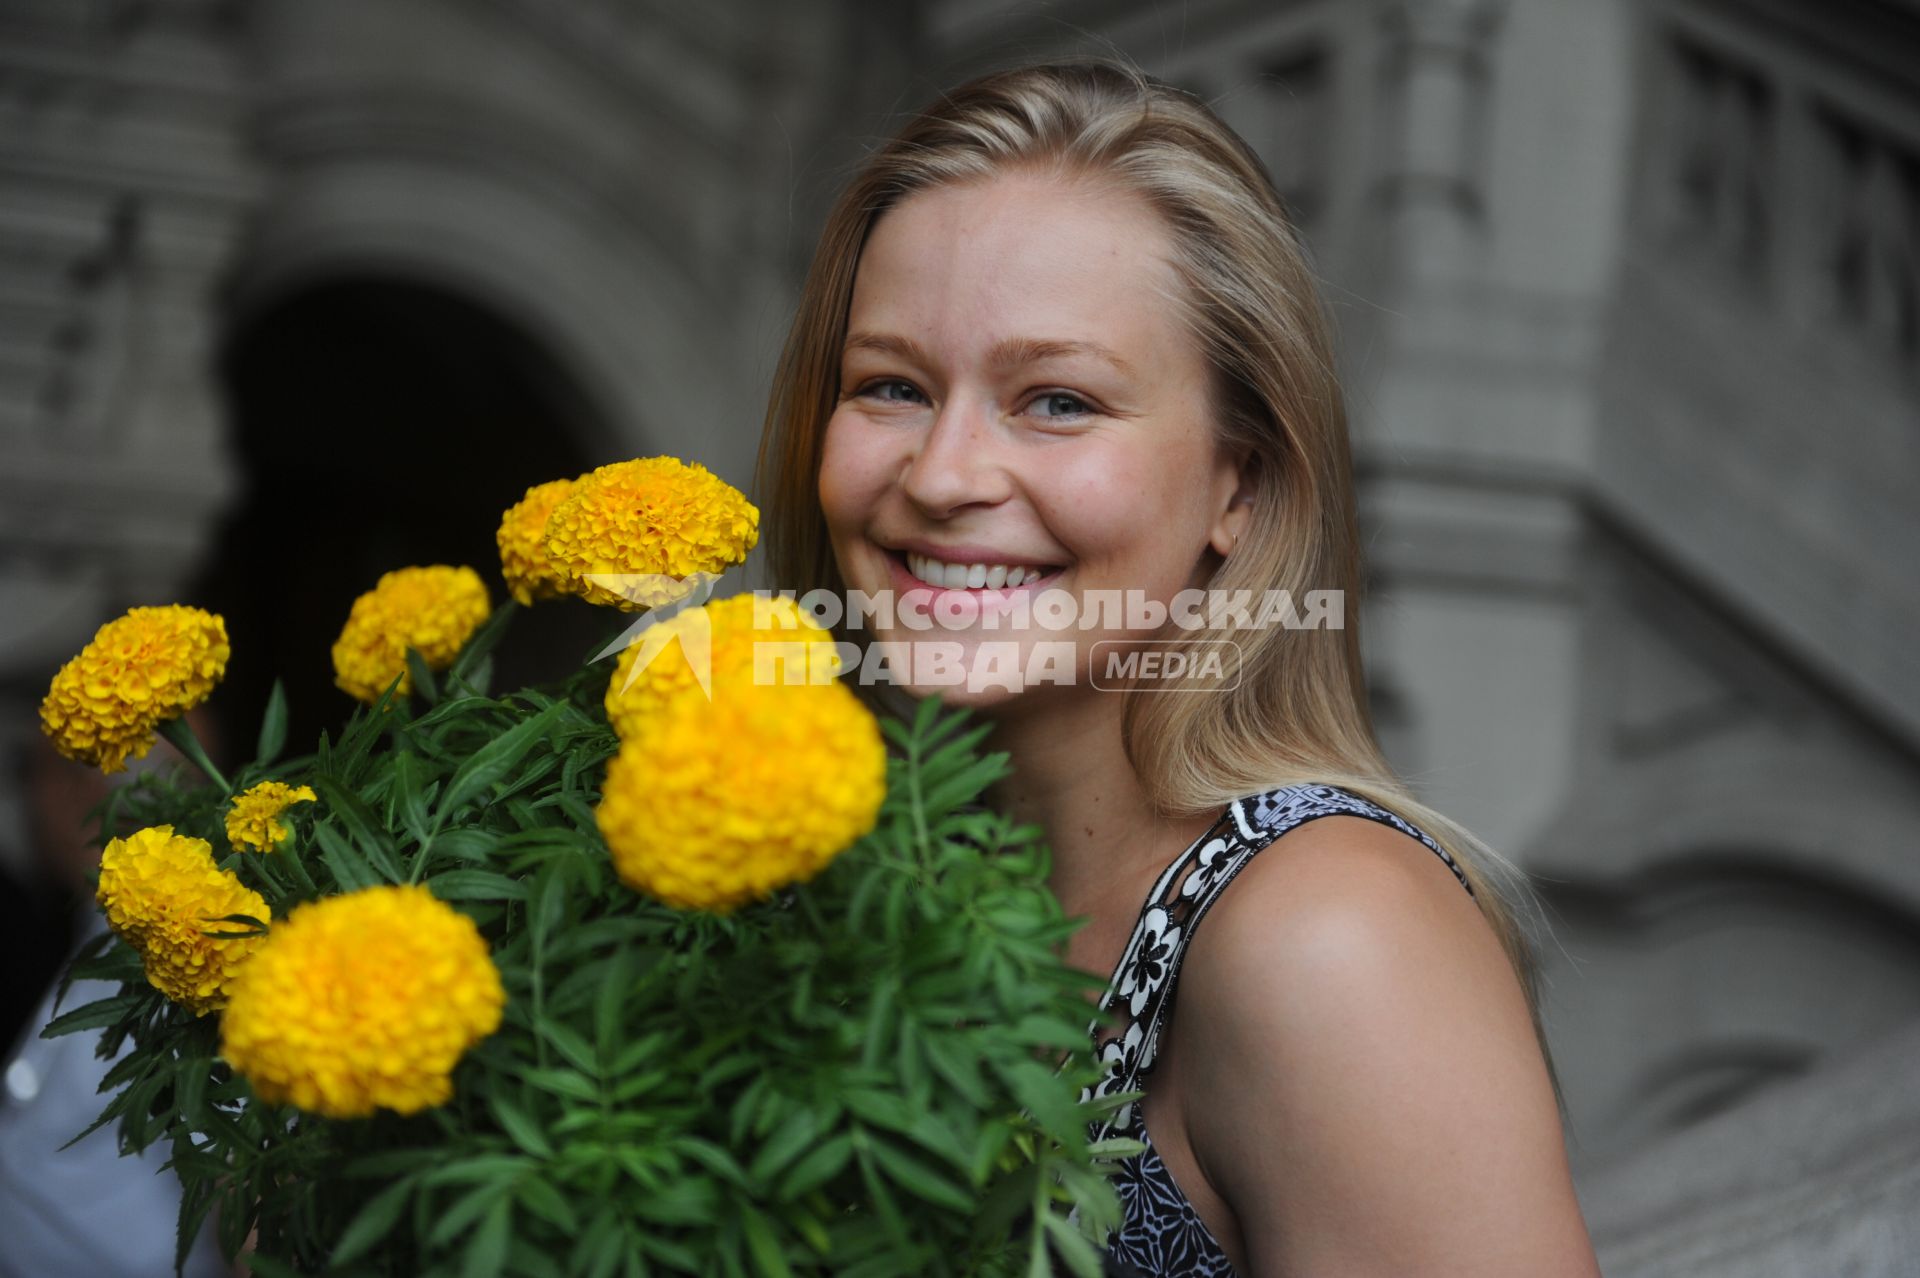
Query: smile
pixel 976 576
pixel 942 574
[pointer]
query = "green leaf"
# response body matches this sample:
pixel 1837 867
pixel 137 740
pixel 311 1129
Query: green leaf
pixel 539 1196
pixel 476 885
pixel 93 1015
pixel 373 1222
pixel 679 1202
pixel 195 1203
pixel 368 830
pixel 821 1164
pixel 610 1001
pixel 268 1267
pixel 516 1124
pixel 273 726
pixel 957 1067
pixel 482 643
pixel 965 785
pixel 713 1158
pixel 792 1136
pixel 409 791
pixel 564 1082
pixel 424 685
pixel 1075 1250
pixel 572 1045
pixel 917 1178
pixel 487 1253
pixel 349 868
pixel 477 1168
pixel 468 1208
pixel 762 1245
pixel 494 760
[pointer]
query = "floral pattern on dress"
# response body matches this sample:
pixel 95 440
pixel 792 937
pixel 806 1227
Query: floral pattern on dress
pixel 1160 1233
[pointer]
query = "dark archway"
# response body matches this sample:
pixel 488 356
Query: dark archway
pixel 378 423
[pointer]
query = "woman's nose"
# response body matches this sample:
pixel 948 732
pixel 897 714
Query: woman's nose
pixel 958 461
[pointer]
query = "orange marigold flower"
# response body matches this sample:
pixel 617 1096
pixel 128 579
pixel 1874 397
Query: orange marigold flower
pixel 748 639
pixel 253 819
pixel 164 895
pixel 140 670
pixel 650 516
pixel 719 803
pixel 361 1002
pixel 523 542
pixel 434 610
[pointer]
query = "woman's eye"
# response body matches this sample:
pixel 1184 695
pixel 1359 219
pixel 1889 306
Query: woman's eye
pixel 1054 405
pixel 877 390
pixel 1074 406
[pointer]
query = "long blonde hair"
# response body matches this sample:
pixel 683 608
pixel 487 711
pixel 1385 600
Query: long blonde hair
pixel 1298 712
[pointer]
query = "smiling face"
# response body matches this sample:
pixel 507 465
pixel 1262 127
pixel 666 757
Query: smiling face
pixel 1021 410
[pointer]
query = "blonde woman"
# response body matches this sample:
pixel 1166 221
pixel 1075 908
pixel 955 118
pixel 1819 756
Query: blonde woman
pixel 1059 348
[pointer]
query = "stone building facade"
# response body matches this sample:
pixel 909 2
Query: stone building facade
pixel 1629 301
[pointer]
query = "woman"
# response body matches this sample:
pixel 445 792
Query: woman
pixel 1059 342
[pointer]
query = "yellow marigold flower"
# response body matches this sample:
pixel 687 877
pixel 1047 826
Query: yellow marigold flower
pixel 140 670
pixel 363 1001
pixel 163 893
pixel 751 639
pixel 434 609
pixel 719 803
pixel 650 515
pixel 253 820
pixel 523 542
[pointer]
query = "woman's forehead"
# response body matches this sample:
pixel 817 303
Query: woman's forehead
pixel 985 266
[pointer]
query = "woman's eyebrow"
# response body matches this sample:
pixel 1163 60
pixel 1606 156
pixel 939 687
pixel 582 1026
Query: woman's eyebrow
pixel 1008 352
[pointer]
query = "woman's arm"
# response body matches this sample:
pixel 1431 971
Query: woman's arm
pixel 1360 1075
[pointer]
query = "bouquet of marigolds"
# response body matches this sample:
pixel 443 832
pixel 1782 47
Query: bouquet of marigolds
pixel 673 968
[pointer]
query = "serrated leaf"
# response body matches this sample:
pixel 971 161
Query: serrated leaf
pixel 94 1015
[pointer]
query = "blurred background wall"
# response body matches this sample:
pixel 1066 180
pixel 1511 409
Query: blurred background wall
pixel 1629 295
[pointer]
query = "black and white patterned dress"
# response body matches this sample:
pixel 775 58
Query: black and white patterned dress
pixel 1161 1236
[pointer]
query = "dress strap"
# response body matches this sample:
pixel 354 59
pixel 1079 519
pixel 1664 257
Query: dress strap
pixel 1140 992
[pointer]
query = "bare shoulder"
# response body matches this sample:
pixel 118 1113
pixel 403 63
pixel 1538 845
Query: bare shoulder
pixel 1349 895
pixel 1388 1109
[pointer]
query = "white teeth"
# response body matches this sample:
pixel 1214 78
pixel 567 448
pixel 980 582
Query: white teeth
pixel 979 576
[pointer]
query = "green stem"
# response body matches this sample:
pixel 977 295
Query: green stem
pixel 300 872
pixel 267 876
pixel 180 733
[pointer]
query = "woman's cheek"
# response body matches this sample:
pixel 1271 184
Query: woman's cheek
pixel 847 472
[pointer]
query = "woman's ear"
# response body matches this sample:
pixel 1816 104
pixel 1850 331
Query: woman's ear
pixel 1236 487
